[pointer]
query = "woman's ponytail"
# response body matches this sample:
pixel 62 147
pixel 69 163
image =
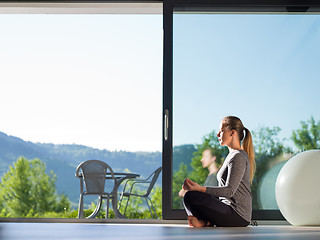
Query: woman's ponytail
pixel 232 122
pixel 247 146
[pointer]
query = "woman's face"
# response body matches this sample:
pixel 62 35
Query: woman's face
pixel 207 159
pixel 224 135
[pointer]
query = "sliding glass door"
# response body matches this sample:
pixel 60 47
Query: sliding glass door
pixel 258 65
pixel 262 68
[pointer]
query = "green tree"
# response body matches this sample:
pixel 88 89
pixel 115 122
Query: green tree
pixel 308 137
pixel 63 204
pixel 177 181
pixel 266 142
pixel 43 193
pixel 26 190
pixel 16 189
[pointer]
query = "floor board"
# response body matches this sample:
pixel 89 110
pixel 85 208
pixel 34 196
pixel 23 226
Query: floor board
pixel 79 231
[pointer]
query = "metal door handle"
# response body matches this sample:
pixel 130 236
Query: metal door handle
pixel 166 124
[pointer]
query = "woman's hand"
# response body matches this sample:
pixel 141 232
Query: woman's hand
pixel 189 185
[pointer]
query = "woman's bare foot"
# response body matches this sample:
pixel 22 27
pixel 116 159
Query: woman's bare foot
pixel 195 222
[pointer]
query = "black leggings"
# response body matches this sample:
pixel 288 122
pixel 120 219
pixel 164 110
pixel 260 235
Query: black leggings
pixel 208 208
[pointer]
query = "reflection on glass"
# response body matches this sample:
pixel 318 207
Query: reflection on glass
pixel 260 67
pixel 266 190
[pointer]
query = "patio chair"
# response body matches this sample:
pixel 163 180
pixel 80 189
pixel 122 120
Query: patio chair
pixel 92 174
pixel 149 182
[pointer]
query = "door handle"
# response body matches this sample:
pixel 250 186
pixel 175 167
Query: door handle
pixel 166 124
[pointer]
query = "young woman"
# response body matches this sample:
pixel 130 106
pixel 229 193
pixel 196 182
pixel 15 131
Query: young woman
pixel 229 204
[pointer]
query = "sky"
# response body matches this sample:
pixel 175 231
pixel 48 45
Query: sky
pixel 261 68
pixel 96 80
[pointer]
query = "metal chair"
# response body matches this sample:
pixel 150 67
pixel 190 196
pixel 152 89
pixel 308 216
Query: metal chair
pixel 151 180
pixel 92 174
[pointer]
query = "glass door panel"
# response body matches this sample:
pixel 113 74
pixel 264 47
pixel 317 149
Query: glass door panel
pixel 76 87
pixel 262 68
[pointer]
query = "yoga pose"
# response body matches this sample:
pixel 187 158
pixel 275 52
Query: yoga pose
pixel 230 203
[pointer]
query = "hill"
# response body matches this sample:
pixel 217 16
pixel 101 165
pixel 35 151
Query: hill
pixel 63 159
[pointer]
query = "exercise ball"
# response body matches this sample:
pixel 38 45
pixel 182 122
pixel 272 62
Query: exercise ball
pixel 298 189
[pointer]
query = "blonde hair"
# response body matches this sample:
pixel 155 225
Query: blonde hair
pixel 234 123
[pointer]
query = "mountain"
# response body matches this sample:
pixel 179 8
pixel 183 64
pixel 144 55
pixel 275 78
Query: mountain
pixel 63 159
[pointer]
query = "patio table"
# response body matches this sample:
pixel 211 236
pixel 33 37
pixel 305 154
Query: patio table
pixel 119 178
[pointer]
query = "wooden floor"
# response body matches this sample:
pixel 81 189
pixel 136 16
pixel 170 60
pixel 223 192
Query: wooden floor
pixel 79 231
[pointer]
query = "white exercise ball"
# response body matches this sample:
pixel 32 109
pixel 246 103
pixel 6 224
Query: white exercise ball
pixel 298 189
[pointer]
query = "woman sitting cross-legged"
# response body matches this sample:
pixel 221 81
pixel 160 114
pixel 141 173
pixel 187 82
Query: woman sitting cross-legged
pixel 230 203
